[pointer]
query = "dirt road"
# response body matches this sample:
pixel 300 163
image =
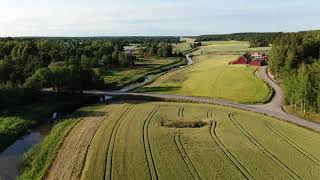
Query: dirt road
pixel 278 100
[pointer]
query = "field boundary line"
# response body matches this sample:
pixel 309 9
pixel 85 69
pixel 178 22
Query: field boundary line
pixel 187 160
pixel 109 110
pixel 265 151
pixel 147 147
pixel 112 142
pixel 227 152
pixel 293 144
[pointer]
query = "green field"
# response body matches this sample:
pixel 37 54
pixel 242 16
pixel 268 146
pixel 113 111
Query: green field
pixel 212 76
pixel 139 140
pixel 183 46
pixel 121 77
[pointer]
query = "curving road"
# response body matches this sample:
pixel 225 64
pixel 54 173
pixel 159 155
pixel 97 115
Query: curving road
pixel 277 103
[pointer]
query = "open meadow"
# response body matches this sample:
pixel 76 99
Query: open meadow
pixel 161 140
pixel 212 76
pixel 121 77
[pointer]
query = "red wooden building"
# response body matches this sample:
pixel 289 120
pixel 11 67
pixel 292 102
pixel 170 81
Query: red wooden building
pixel 240 60
pixel 256 62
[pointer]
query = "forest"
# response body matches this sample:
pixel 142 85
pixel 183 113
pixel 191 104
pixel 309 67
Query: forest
pixel 295 59
pixel 255 39
pixel 67 64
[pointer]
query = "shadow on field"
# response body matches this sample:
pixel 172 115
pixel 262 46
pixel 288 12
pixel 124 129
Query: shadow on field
pixel 84 114
pixel 158 89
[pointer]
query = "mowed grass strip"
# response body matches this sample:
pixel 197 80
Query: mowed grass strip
pixel 69 161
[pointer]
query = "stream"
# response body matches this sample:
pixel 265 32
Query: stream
pixel 11 158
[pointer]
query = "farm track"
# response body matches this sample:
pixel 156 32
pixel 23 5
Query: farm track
pixel 210 113
pixel 193 171
pixel 74 149
pixel 110 152
pixel 147 147
pixel 265 151
pixel 85 157
pixel 293 144
pixel 227 152
pixel 180 111
pixel 215 85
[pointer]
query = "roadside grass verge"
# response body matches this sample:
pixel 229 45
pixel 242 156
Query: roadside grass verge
pixel 311 116
pixel 39 158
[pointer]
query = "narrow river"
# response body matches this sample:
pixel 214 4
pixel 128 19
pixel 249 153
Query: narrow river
pixel 11 158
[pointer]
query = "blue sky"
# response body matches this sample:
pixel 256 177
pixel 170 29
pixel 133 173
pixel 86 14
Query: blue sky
pixel 154 17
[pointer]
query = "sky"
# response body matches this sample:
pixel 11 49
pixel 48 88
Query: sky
pixel 155 17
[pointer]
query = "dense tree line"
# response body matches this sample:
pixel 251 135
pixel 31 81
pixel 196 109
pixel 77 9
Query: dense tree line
pixel 60 63
pixel 295 58
pixel 124 39
pixel 255 39
pixel 157 49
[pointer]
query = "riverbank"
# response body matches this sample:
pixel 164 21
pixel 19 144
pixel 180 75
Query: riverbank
pixel 21 127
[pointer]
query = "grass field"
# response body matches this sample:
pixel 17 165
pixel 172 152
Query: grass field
pixel 121 77
pixel 183 46
pixel 133 141
pixel 211 76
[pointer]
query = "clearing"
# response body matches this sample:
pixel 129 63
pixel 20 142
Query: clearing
pixel 211 76
pixel 131 141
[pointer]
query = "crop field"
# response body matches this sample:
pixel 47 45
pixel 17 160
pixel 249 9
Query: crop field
pixel 212 76
pixel 160 140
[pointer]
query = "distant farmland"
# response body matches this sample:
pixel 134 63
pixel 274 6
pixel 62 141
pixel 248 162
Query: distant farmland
pixel 185 141
pixel 211 76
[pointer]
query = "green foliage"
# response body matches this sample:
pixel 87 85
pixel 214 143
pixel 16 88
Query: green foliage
pixel 255 39
pixel 295 58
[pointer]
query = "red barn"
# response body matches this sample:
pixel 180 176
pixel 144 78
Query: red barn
pixel 240 60
pixel 256 62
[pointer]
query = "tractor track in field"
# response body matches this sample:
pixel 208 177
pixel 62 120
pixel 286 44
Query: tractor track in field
pixel 293 144
pixel 227 152
pixel 146 144
pixel 85 159
pixel 180 111
pixel 264 150
pixel 215 84
pixel 112 142
pixel 193 171
pixel 74 148
pixel 210 113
